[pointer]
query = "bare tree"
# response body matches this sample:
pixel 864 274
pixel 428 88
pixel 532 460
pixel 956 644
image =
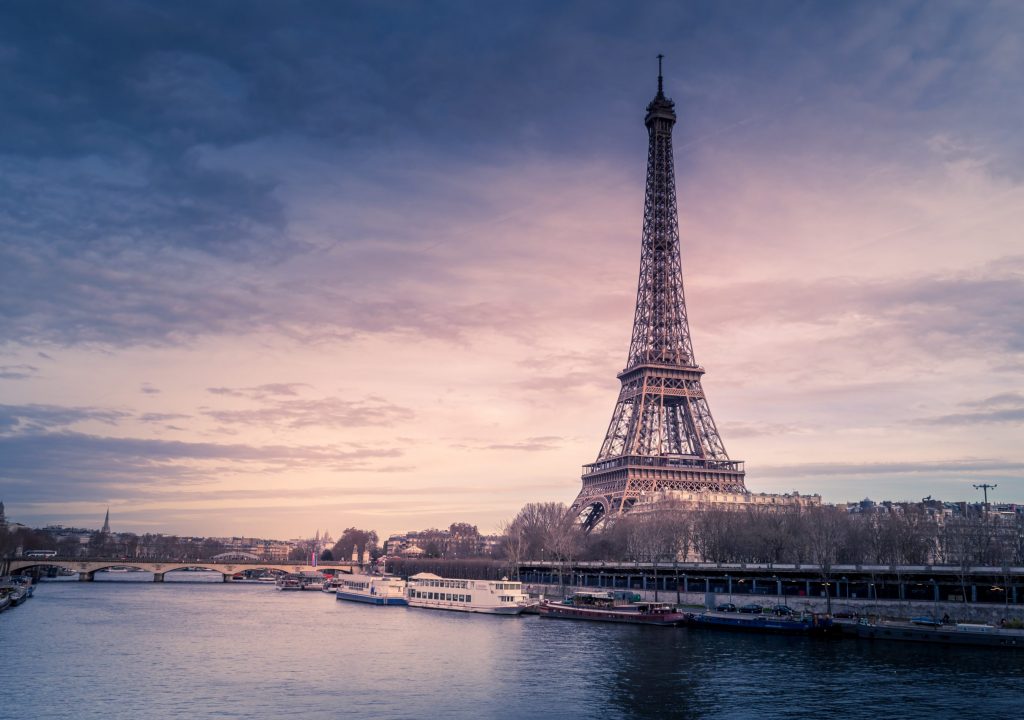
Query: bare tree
pixel 770 537
pixel 712 529
pixel 825 526
pixel 513 541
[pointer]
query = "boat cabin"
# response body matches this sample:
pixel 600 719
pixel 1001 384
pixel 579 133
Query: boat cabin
pixel 593 599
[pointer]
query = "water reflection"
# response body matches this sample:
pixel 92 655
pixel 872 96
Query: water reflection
pixel 212 649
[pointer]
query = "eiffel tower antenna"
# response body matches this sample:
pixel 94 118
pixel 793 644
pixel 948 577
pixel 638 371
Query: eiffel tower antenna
pixel 661 435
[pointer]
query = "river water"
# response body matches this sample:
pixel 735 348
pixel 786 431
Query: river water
pixel 123 649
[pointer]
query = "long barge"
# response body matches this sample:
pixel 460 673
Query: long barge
pixel 959 634
pixel 601 607
pixel 641 614
pixel 804 624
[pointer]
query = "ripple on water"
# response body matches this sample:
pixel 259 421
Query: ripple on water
pixel 215 650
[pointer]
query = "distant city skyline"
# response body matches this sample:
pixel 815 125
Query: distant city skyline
pixel 266 269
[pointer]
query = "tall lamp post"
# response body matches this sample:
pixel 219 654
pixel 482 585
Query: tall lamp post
pixel 985 487
pixel 655 581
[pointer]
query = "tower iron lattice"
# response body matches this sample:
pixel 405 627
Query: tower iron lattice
pixel 661 435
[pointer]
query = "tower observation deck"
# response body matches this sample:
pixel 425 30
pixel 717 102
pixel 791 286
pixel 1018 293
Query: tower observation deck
pixel 661 435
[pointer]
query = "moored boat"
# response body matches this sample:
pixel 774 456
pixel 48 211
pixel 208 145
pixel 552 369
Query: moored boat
pixel 492 597
pixel 288 582
pixel 312 580
pixel 17 595
pixel 305 580
pixel 372 589
pixel 601 607
pixel 25 582
pixel 792 624
pixel 974 634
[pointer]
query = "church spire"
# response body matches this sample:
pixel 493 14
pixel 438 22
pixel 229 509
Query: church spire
pixel 106 523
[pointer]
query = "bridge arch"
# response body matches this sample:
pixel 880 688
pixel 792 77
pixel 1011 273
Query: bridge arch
pixel 86 568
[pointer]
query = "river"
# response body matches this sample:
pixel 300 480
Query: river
pixel 124 649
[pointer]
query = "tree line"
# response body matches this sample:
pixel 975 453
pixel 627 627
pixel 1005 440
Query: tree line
pixel 824 535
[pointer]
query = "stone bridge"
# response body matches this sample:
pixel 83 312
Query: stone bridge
pixel 87 569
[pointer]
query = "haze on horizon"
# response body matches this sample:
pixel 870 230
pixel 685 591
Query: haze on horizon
pixel 266 269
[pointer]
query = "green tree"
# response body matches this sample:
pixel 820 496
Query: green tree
pixel 357 540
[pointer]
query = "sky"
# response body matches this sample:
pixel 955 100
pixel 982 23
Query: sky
pixel 274 268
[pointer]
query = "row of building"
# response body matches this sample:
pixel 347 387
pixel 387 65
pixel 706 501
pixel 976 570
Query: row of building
pixel 939 510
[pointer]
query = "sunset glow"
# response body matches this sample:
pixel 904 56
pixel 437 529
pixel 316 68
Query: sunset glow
pixel 378 269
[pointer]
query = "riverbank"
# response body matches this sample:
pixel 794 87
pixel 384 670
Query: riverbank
pixel 889 609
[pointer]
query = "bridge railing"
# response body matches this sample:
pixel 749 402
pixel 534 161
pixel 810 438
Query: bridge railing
pixel 123 560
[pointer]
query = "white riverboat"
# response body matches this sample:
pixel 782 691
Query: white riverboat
pixel 373 589
pixel 495 597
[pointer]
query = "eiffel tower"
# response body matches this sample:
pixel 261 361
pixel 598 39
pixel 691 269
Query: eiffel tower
pixel 662 435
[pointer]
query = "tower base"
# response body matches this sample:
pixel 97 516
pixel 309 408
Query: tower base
pixel 613 486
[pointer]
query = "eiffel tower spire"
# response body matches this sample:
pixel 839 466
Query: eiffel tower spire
pixel 661 435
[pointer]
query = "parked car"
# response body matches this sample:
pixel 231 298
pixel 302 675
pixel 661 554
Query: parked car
pixel 726 607
pixel 782 610
pixel 751 609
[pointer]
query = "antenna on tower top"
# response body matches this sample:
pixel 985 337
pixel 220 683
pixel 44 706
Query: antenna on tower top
pixel 660 57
